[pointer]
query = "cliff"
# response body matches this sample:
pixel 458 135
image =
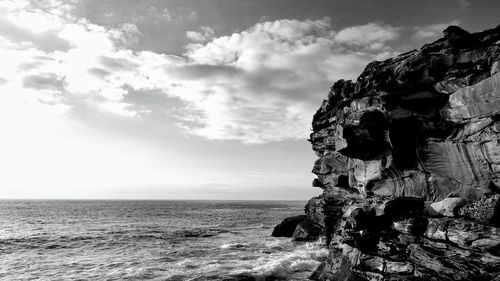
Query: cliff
pixel 409 164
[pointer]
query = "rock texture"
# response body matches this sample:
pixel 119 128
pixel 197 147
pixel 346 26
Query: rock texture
pixel 287 227
pixel 409 164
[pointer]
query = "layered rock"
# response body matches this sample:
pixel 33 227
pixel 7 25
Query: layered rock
pixel 409 164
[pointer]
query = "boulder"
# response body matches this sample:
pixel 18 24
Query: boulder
pixel 306 231
pixel 287 227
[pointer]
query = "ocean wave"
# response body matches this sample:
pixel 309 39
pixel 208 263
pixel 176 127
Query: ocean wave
pixel 254 226
pixel 239 227
pixel 305 258
pixel 277 242
pixel 234 245
pixel 129 241
pixel 47 242
pixel 199 232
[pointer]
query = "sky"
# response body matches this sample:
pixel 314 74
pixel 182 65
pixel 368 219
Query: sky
pixel 184 99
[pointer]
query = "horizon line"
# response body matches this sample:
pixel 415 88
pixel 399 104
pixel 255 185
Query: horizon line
pixel 143 199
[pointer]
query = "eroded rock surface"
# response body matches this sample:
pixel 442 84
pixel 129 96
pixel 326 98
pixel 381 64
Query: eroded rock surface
pixel 287 227
pixel 409 164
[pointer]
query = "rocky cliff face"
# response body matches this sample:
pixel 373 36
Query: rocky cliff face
pixel 409 164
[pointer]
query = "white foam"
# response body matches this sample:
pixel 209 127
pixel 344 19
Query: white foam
pixel 277 242
pixel 304 265
pixel 282 264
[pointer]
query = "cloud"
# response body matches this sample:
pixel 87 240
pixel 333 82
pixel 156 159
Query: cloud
pixel 433 30
pixel 206 34
pixel 283 68
pixel 372 35
pixel 43 81
pixel 126 33
pixel 31 29
pixel 258 85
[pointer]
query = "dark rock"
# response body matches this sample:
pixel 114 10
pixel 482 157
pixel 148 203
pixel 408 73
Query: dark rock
pixel 455 31
pixel 318 271
pixel 314 212
pixel 306 231
pixel 358 219
pixel 287 227
pixel 330 163
pixel 333 210
pixel 403 207
pixel 401 150
pixel 239 277
pixel 415 226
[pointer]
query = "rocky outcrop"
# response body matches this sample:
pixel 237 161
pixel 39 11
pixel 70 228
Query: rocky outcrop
pixel 287 227
pixel 306 231
pixel 302 227
pixel 409 164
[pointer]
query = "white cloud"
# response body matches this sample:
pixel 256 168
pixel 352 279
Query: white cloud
pixel 258 85
pixel 280 72
pixel 206 34
pixel 372 35
pixel 126 33
pixel 433 30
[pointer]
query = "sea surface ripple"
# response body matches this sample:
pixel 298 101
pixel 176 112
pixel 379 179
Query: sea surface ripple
pixel 150 240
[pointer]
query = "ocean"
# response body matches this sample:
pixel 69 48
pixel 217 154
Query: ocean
pixel 151 240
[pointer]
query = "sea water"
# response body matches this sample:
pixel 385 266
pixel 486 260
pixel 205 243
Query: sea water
pixel 151 240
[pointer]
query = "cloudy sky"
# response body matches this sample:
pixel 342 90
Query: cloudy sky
pixel 205 99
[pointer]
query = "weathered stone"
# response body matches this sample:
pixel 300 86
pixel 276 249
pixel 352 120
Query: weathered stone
pixel 331 163
pixel 415 226
pixel 436 229
pixel 306 231
pixel 403 207
pixel 463 162
pixel 287 227
pixel 448 206
pixel 399 267
pixel 358 219
pixel 479 100
pixel 314 212
pixel 495 68
pixel 467 233
pixel 401 149
pixel 486 211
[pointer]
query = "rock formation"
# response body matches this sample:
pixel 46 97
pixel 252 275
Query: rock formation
pixel 287 227
pixel 409 164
